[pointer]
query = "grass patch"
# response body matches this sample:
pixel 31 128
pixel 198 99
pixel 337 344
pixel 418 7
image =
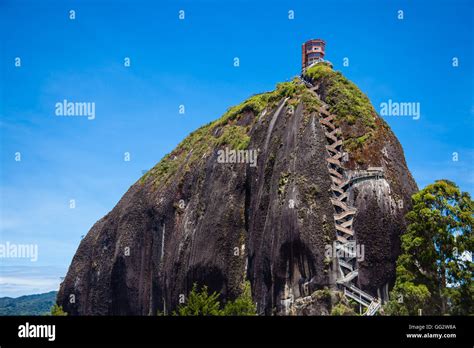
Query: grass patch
pixel 344 98
pixel 284 178
pixel 235 137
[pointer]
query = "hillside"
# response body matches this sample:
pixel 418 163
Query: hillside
pixel 38 304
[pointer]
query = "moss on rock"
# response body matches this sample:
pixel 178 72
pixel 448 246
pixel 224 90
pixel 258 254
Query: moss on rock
pixel 344 98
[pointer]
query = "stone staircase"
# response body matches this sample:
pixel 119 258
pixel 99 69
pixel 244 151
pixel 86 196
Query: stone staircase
pixel 343 212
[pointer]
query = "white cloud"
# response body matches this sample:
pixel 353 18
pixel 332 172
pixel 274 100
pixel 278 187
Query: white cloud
pixel 21 280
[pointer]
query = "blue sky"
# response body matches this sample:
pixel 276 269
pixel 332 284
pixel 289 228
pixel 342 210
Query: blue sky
pixel 190 62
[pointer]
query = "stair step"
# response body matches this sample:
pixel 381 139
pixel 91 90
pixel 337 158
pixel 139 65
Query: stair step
pixel 344 214
pixel 356 298
pixel 335 173
pixel 340 204
pixel 347 223
pixel 361 293
pixel 333 161
pixel 345 230
pixel 323 110
pixel 345 264
pixel 331 136
pixel 335 145
pixel 341 239
pixel 348 277
pixel 350 253
pixel 342 197
pixel 327 123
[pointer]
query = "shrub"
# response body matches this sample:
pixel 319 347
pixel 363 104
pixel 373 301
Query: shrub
pixel 57 311
pixel 341 309
pixel 200 303
pixel 243 305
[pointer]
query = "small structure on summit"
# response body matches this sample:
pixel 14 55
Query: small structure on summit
pixel 312 52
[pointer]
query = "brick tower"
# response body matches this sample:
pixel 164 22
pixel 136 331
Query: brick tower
pixel 312 51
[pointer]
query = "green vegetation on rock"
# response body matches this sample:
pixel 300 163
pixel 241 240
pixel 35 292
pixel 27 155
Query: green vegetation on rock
pixel 284 178
pixel 361 128
pixel 58 311
pixel 235 137
pixel 233 128
pixel 342 309
pixel 226 131
pixel 310 101
pixel 353 144
pixel 243 305
pixel 344 98
pixel 322 295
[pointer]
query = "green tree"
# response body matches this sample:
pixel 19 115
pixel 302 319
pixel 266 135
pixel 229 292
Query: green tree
pixel 433 271
pixel 200 303
pixel 58 311
pixel 243 305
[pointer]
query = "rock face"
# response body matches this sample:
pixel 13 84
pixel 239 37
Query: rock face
pixel 193 218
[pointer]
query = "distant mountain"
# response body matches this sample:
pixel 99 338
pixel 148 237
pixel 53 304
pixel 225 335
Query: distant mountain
pixel 38 304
